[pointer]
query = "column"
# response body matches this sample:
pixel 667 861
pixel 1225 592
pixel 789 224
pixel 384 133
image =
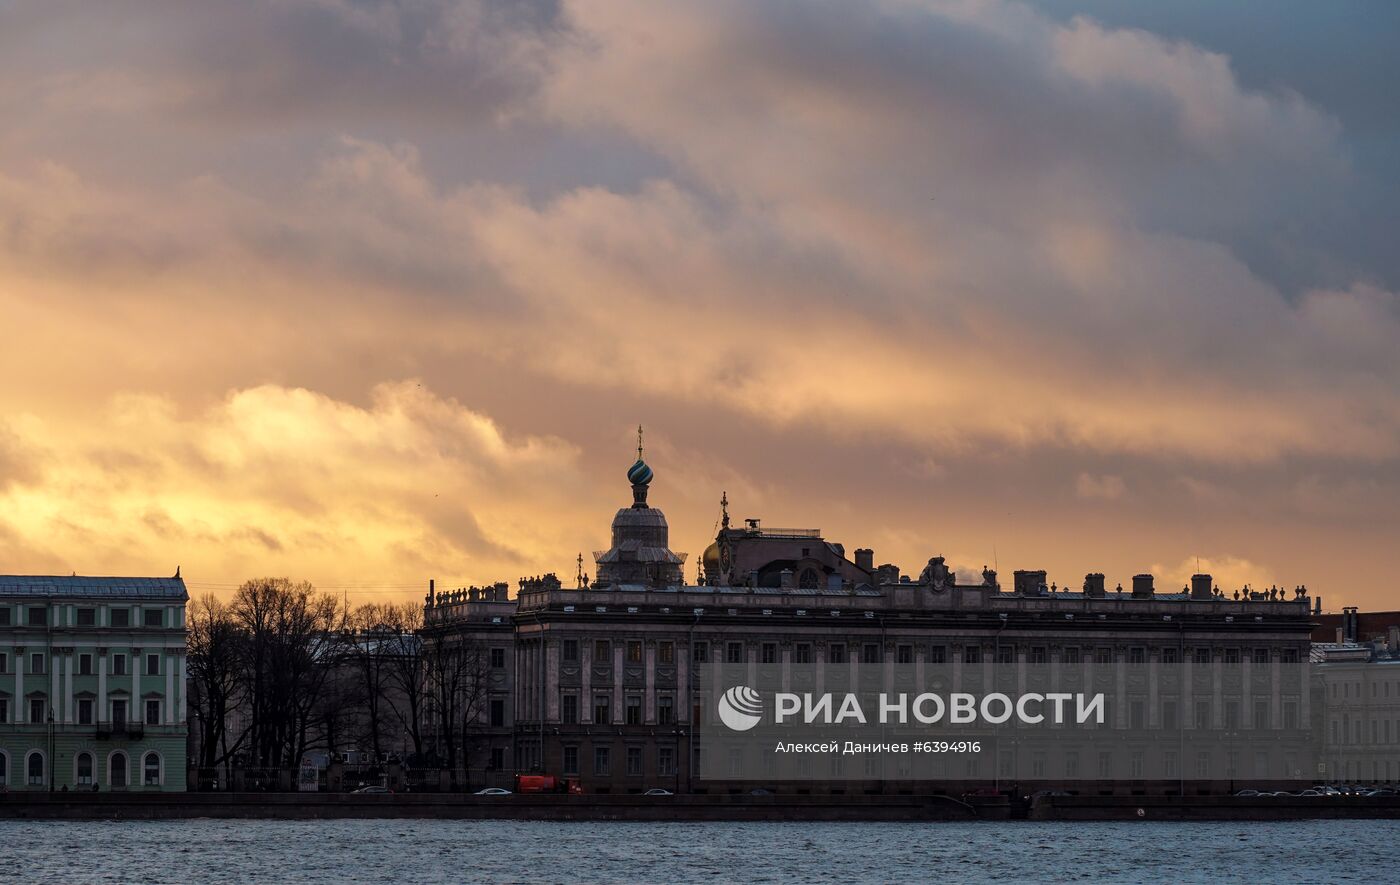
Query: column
pixel 134 712
pixel 169 712
pixel 585 699
pixel 101 686
pixel 649 699
pixel 56 694
pixel 180 685
pixel 21 662
pixel 68 688
pixel 619 648
pixel 551 681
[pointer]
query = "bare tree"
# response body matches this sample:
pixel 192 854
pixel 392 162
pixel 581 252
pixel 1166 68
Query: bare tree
pixel 217 647
pixel 293 645
pixel 456 675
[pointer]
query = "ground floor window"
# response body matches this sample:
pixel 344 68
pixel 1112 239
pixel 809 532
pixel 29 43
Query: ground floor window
pixel 4 769
pixel 116 769
pixel 34 765
pixel 634 761
pixel 84 769
pixel 602 761
pixel 151 770
pixel 571 760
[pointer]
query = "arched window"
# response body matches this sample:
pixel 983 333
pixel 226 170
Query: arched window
pixel 83 773
pixel 151 770
pixel 34 765
pixel 116 769
pixel 808 580
pixel 4 768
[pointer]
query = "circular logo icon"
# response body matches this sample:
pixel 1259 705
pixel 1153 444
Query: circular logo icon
pixel 740 708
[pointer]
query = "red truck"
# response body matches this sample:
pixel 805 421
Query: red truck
pixel 546 783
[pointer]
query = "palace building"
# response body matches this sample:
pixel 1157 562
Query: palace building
pixel 600 681
pixel 92 683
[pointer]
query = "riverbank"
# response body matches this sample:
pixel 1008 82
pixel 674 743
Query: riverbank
pixel 311 806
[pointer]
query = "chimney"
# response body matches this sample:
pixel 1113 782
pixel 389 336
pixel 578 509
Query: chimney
pixel 865 559
pixel 1201 586
pixel 1028 582
pixel 1349 623
pixel 1093 585
pixel 887 574
pixel 1142 586
pixel 785 579
pixel 1317 605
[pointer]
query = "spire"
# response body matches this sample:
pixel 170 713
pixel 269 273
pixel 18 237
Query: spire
pixel 639 474
pixel 724 510
pixel 580 570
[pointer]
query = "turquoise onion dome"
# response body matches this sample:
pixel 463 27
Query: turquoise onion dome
pixel 639 474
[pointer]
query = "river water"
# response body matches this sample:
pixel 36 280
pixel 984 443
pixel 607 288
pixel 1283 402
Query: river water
pixel 403 851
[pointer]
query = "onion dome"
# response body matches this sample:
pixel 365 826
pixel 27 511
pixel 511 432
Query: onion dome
pixel 639 474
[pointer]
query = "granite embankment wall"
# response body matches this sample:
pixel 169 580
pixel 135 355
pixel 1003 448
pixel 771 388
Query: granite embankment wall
pixel 310 806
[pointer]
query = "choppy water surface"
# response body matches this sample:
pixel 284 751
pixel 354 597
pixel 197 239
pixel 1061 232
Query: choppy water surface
pixel 399 851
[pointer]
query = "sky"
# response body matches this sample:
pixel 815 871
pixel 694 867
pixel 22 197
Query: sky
pixel 372 293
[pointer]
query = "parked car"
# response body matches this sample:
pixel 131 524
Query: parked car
pixel 372 789
pixel 657 791
pixel 493 791
pixel 1247 793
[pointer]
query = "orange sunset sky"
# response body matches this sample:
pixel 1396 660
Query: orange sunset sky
pixel 369 293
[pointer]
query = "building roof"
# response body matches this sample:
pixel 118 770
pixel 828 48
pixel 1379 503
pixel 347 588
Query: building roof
pixel 84 585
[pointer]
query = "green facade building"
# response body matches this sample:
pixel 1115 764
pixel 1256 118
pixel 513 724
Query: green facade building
pixel 92 683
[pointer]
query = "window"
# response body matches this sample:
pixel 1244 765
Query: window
pixel 601 713
pixel 807 580
pixel 36 709
pixel 770 653
pixel 1201 655
pixel 153 712
pixel 152 617
pixel 116 769
pixel 568 713
pixel 938 655
pixel 38 616
pixel 802 653
pixel 118 665
pixel 1006 654
pixel 1038 654
pixel 904 654
pixel 1232 656
pixel 1169 656
pixel 665 652
pixel 4 660
pixel 151 770
pixel 121 617
pixel 152 665
pixel 4 714
pixel 498 658
pixel 34 767
pixel 87 617
pixel 1290 655
pixel 498 712
pixel 1103 656
pixel 1137 655
pixel 1261 656
pixel 602 652
pixel 972 654
pixel 571 760
pixel 700 653
pixel 571 650
pixel 84 711
pixel 836 653
pixel 84 770
pixel 119 712
pixel 634 761
pixel 36 662
pixel 634 710
pixel 602 761
pixel 4 621
pixel 665 710
pixel 1136 715
pixel 634 651
pixel 1070 655
pixel 1202 714
pixel 498 758
pixel 665 760
pixel 734 653
pixel 870 653
pixel 84 665
pixel 1169 715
